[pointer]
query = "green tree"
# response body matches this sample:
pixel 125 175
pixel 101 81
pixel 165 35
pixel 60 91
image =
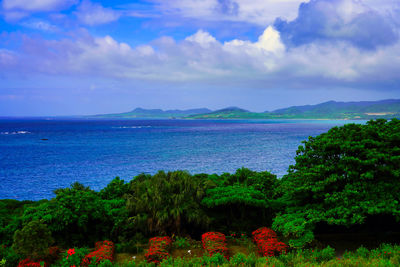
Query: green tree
pixel 242 201
pixel 78 216
pixel 167 203
pixel 33 240
pixel 341 178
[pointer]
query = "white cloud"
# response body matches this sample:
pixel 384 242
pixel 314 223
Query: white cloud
pixel 37 5
pixel 40 25
pixel 261 12
pixel 201 58
pixel 94 14
pixel 202 38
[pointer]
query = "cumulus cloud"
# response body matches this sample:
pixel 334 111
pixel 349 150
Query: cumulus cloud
pixel 93 14
pixel 338 20
pixel 202 58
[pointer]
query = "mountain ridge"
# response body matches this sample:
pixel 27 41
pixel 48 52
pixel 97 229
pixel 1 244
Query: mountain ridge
pixel 388 108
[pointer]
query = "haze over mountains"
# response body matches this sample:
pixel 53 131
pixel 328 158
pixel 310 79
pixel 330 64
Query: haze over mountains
pixel 329 110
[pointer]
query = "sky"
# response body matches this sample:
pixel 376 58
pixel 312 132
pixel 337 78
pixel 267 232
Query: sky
pixel 71 57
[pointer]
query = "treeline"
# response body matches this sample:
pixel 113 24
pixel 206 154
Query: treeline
pixel 343 178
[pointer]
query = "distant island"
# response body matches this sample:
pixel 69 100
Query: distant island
pixel 363 110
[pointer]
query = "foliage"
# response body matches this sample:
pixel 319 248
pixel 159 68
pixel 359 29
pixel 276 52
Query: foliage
pixel 33 240
pixel 241 201
pixel 167 203
pixel 158 249
pixel 31 263
pixel 267 242
pixel 181 242
pixel 238 259
pixel 72 257
pixel 341 178
pixel 78 216
pixel 10 256
pixel 215 243
pixel 104 250
pixel 11 218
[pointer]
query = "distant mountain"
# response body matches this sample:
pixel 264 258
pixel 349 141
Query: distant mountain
pixel 342 110
pixel 228 113
pixel 155 113
pixel 329 110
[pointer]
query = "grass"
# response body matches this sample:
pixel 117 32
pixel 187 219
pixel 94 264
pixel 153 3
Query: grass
pixel 243 253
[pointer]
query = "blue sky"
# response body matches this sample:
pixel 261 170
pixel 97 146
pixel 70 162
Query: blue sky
pixel 66 57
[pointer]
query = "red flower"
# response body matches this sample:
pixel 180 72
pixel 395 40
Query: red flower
pixel 71 251
pixel 30 263
pixel 215 242
pixel 158 249
pixel 104 250
pixel 267 242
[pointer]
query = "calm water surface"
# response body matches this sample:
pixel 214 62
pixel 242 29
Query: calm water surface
pixel 93 152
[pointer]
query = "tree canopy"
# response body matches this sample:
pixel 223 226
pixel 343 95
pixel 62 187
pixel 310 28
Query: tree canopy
pixel 341 177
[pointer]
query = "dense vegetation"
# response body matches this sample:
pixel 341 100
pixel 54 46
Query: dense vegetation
pixel 344 180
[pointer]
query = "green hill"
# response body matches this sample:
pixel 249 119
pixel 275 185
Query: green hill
pixel 329 110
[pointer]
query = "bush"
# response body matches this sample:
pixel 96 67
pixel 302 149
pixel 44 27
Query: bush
pixel 31 263
pixel 216 259
pixel 33 240
pixel 238 258
pixel 215 242
pixel 72 257
pixel 325 254
pixel 267 242
pixel 159 249
pixel 10 256
pixel 181 242
pixel 104 250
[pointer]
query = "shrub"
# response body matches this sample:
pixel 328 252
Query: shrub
pixel 158 249
pixel 33 240
pixel 181 242
pixel 238 258
pixel 30 263
pixel 325 254
pixel 104 250
pixel 267 242
pixel 215 242
pixel 72 257
pixel 10 256
pixel 215 260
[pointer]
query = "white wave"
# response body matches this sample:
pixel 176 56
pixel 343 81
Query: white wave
pixel 16 132
pixel 131 127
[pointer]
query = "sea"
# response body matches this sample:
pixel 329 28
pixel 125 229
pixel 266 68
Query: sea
pixel 38 156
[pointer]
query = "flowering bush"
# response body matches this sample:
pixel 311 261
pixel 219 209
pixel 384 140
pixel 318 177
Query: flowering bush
pixel 29 263
pixel 267 242
pixel 104 250
pixel 215 242
pixel 72 257
pixel 158 250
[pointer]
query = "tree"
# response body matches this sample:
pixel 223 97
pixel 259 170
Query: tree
pixel 341 178
pixel 33 240
pixel 241 201
pixel 167 203
pixel 78 216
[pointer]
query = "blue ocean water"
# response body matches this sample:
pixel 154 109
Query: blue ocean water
pixel 93 152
